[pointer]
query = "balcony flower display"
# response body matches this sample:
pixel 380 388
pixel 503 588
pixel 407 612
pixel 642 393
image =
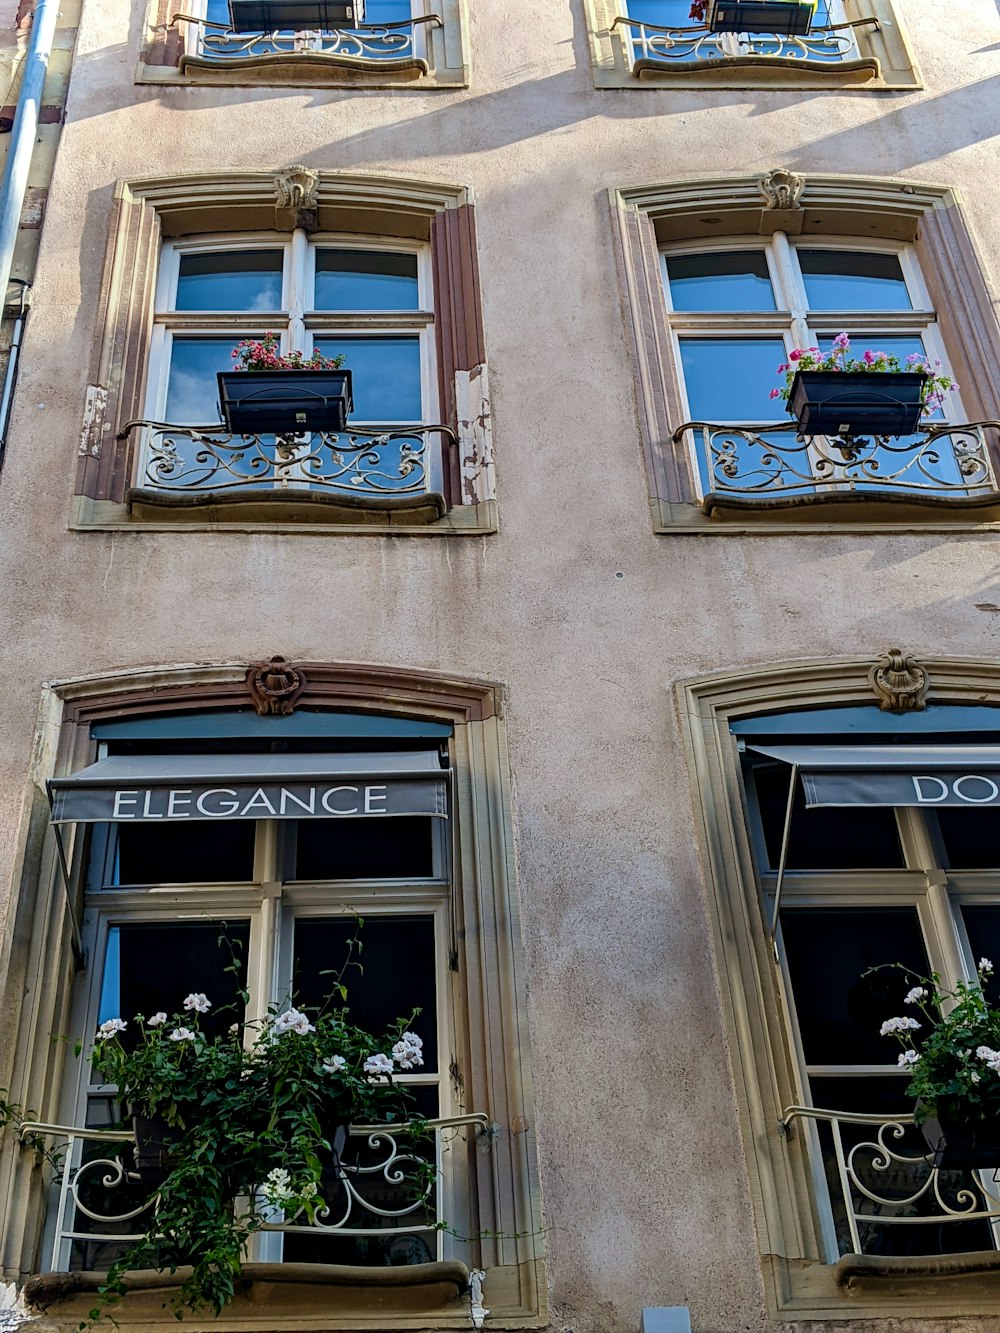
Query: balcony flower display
pixel 837 393
pixel 787 18
pixel 951 1051
pixel 288 393
pixel 249 1122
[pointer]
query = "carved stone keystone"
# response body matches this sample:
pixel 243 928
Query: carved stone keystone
pixel 296 191
pixel 899 682
pixel 781 191
pixel 275 686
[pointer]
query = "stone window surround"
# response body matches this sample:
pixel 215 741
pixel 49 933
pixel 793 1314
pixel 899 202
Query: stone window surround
pixel 489 970
pixel 798 1284
pixel 928 216
pixel 164 59
pixel 886 58
pixel 145 212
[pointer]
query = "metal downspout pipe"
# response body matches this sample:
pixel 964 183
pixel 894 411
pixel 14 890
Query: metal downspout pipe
pixel 22 137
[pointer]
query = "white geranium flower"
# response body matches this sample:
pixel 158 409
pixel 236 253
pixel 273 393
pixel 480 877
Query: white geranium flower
pixel 892 1025
pixel 915 995
pixel 976 1078
pixel 985 966
pixel 277 1186
pixel 198 1001
pixel 334 1064
pixel 407 1056
pixel 378 1064
pixel 412 1039
pixel 292 1020
pixel 156 1020
pixel 908 1058
pixel 990 1057
pixel 182 1034
pixel 111 1027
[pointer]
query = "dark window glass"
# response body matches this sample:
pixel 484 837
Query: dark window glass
pixel 971 838
pixel 897 1182
pixel 195 853
pixel 839 1009
pixel 853 280
pixel 827 838
pixel 983 926
pixel 397 848
pixel 386 963
pixel 365 280
pixel 150 967
pixel 736 280
pixel 230 280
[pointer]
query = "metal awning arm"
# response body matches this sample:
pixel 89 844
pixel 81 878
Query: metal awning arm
pixel 79 955
pixel 784 855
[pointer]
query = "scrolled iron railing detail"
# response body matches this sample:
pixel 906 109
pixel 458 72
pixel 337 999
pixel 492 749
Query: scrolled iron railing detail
pixel 189 459
pixel 887 1177
pixel 374 42
pixel 947 459
pixel 403 1197
pixel 671 44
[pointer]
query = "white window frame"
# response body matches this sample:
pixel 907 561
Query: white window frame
pixel 272 905
pixel 794 323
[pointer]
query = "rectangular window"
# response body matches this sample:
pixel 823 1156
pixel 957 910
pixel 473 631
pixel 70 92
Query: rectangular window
pixel 737 311
pixel 387 33
pixel 369 303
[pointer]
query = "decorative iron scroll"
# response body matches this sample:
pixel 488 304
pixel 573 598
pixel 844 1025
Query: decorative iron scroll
pixel 880 1176
pixel 941 460
pixel 379 1189
pixel 673 44
pixel 188 459
pixel 384 41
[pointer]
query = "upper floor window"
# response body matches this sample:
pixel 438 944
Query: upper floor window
pixel 387 31
pixel 736 313
pixel 662 31
pixel 372 305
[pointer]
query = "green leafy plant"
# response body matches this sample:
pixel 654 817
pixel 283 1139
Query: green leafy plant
pixel 951 1047
pixel 251 1117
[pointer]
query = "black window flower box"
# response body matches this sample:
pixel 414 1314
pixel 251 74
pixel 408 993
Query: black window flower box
pixel 839 402
pixel 962 1145
pixel 295 15
pixel 788 18
pixel 284 402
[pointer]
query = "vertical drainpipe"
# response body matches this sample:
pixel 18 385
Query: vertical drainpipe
pixel 22 138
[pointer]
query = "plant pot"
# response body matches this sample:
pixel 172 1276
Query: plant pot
pixel 284 402
pixel 295 15
pixel 154 1141
pixel 856 402
pixel 962 1145
pixel 787 18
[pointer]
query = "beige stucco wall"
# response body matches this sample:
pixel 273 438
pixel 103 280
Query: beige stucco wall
pixel 587 618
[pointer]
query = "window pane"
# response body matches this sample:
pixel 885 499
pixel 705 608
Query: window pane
pixel 853 280
pixel 365 280
pixel 733 281
pixel 391 975
pixel 152 967
pixel 971 838
pixel 666 13
pixel 385 375
pixel 386 11
pixel 230 280
pixel 197 853
pixel 729 379
pixel 364 848
pixel 828 838
pixel 839 1010
pixel 983 926
pixel 192 389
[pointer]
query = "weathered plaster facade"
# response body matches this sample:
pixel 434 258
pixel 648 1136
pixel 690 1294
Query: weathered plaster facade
pixel 586 618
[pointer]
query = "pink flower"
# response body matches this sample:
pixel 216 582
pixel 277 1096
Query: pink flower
pixel 775 393
pixel 795 353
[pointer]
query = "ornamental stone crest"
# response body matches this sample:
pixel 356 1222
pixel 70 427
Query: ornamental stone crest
pixel 782 190
pixel 900 683
pixel 275 687
pixel 296 193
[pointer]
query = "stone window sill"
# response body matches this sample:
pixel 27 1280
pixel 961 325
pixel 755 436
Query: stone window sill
pixel 821 515
pixel 760 71
pixel 860 1287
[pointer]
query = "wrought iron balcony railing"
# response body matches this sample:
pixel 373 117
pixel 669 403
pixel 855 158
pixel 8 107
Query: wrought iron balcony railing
pixel 773 461
pixel 653 44
pixel 380 1191
pixel 219 43
pixel 884 1188
pixel 186 460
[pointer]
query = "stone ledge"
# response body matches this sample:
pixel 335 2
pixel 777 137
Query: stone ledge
pixel 868 506
pixel 768 71
pixel 290 506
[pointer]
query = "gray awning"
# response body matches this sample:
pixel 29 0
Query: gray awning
pixel 919 775
pixel 144 788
